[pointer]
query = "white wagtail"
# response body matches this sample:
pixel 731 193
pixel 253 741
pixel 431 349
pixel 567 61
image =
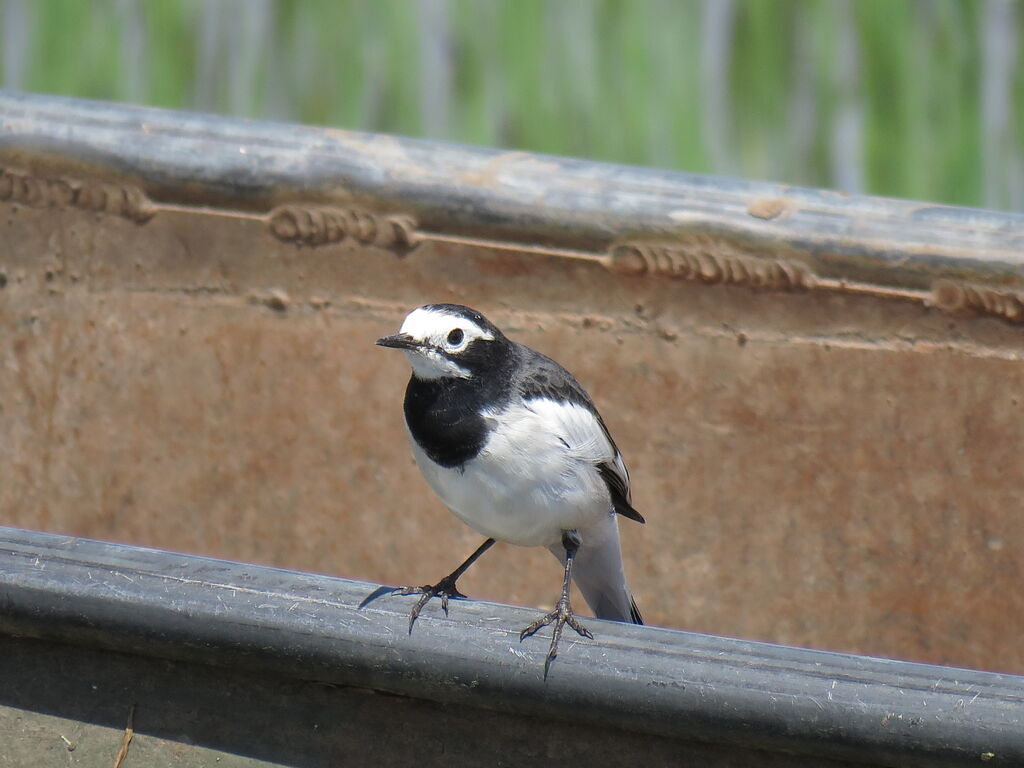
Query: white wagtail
pixel 515 448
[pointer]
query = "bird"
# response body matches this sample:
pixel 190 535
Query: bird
pixel 513 445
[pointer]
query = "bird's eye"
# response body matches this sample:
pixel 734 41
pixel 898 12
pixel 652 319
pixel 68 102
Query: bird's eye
pixel 455 337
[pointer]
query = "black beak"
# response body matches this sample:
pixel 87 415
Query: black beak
pixel 399 341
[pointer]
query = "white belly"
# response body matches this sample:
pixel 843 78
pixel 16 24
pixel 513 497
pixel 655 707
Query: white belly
pixel 534 478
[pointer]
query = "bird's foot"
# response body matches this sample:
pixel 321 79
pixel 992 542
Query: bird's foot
pixel 445 589
pixel 560 616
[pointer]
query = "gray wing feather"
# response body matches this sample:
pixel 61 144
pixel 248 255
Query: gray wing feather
pixel 543 377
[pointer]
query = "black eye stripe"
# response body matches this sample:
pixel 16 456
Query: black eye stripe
pixel 455 336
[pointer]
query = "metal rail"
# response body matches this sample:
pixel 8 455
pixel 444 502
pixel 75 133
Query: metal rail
pixel 316 186
pixel 629 680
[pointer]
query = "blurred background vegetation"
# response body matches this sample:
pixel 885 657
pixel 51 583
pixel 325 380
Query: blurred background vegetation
pixel 909 98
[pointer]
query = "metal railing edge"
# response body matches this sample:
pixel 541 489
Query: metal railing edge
pixel 635 219
pixel 643 679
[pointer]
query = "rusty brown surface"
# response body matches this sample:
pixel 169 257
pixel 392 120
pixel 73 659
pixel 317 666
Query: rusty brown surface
pixel 820 469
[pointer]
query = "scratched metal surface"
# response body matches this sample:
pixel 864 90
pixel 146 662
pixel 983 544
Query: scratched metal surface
pixel 629 689
pixel 826 457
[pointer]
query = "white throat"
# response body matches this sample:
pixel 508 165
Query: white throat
pixel 429 364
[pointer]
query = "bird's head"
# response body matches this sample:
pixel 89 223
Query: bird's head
pixel 448 340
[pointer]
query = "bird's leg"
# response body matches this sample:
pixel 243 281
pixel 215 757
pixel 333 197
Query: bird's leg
pixel 444 589
pixel 562 613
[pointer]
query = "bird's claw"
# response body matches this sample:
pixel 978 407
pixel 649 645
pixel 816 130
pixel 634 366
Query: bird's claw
pixel 561 615
pixel 445 589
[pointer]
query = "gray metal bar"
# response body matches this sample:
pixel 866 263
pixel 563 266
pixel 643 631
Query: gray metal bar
pixel 203 159
pixel 665 683
pixel 56 698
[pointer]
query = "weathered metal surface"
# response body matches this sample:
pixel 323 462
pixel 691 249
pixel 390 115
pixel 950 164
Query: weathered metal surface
pixel 833 466
pixel 630 690
pixel 157 159
pixel 68 705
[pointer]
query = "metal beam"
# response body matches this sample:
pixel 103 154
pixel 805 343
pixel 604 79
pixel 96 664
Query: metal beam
pixel 518 197
pixel 631 680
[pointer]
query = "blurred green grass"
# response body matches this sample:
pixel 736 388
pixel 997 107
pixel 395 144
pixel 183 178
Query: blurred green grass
pixel 879 96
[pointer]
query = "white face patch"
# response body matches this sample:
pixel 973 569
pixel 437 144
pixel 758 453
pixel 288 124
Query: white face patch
pixel 440 330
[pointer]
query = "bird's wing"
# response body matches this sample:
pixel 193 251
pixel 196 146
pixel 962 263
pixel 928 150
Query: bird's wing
pixel 616 478
pixel 545 379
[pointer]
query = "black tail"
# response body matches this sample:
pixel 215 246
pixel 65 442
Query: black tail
pixel 634 613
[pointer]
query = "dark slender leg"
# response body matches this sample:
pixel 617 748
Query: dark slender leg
pixel 444 589
pixel 562 613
